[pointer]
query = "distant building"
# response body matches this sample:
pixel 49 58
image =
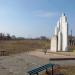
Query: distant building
pixel 61 40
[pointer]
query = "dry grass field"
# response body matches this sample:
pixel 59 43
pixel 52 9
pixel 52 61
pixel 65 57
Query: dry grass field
pixel 17 46
pixel 65 53
pixel 62 70
pixel 68 70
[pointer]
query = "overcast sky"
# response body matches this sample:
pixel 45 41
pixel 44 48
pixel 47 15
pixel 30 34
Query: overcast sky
pixel 34 18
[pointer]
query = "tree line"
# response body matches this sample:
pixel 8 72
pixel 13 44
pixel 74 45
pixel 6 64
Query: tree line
pixel 13 37
pixel 6 36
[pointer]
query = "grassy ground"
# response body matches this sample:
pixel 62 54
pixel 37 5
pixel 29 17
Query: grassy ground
pixel 65 53
pixel 17 46
pixel 63 70
pixel 68 70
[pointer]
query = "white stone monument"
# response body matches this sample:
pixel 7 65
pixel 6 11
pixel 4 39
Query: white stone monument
pixel 59 41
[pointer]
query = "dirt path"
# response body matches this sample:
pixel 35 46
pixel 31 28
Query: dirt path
pixel 19 64
pixel 49 55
